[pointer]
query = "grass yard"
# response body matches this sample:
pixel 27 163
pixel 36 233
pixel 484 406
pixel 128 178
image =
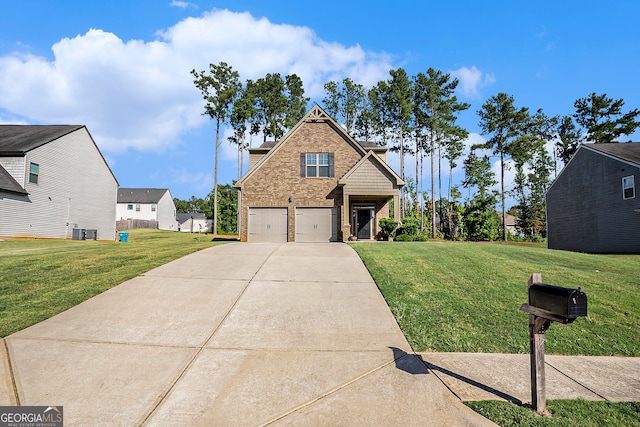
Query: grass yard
pixel 466 297
pixel 566 413
pixel 41 278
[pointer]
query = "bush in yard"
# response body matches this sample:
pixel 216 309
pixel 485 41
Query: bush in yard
pixel 409 226
pixel 388 227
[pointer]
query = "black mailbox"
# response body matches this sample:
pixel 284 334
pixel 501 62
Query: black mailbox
pixel 566 303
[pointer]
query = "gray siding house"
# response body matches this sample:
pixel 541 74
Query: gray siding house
pixel 151 204
pixel 593 205
pixel 53 179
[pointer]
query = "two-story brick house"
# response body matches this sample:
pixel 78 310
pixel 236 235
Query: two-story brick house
pixel 317 184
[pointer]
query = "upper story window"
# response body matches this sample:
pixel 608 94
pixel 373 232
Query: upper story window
pixel 628 187
pixel 129 207
pixel 34 172
pixel 316 165
pixel 153 208
pixel 138 208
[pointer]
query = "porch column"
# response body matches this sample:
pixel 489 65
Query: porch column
pixel 396 208
pixel 346 217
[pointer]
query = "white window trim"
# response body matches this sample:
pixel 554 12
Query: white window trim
pixel 632 186
pixel 317 165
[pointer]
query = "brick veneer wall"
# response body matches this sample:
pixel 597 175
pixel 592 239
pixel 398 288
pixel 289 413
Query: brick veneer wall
pixel 279 178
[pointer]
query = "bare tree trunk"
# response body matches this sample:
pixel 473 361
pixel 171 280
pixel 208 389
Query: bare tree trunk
pixel 402 192
pixel 417 179
pixel 504 215
pixel 433 188
pixel 215 182
pixel 421 192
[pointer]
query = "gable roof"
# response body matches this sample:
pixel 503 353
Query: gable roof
pixel 9 184
pixel 371 157
pixel 316 114
pixel 185 216
pixel 627 151
pixel 141 195
pixel 17 140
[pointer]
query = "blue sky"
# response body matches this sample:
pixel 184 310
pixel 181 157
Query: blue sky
pixel 122 67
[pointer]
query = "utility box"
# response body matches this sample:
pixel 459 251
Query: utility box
pixel 92 234
pixel 79 234
pixel 565 303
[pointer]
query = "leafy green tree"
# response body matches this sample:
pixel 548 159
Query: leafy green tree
pixel 568 139
pixel 603 119
pixel 296 101
pixel 271 106
pixel 480 219
pixel 332 99
pixel 242 112
pixel 533 172
pixel 279 104
pixel 506 125
pixel 345 102
pixel 219 87
pixel 377 120
pixel 182 206
pixel 529 188
pixel 399 102
pixel 435 108
pixel 228 209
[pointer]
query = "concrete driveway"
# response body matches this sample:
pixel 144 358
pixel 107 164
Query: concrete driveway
pixel 238 334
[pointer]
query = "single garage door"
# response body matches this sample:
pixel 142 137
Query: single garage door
pixel 316 225
pixel 268 224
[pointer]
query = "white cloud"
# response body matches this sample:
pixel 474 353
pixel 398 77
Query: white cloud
pixel 472 80
pixel 182 4
pixel 139 94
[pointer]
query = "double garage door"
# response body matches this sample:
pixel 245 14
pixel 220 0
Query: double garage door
pixel 311 225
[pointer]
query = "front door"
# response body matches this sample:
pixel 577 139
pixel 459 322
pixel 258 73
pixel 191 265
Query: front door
pixel 364 224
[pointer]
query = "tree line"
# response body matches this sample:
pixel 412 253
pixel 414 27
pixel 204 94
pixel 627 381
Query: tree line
pixel 417 116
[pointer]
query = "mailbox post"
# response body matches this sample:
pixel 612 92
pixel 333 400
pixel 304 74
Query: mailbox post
pixel 547 303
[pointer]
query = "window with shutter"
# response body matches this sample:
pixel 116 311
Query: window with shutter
pixel 317 165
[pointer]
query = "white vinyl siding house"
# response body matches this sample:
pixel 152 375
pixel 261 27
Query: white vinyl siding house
pixel 65 180
pixel 149 204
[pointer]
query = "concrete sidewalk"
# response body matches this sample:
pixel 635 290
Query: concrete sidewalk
pixel 478 376
pixel 238 334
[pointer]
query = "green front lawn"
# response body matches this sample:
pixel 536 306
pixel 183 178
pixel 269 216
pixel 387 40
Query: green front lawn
pixel 41 278
pixel 564 413
pixel 466 297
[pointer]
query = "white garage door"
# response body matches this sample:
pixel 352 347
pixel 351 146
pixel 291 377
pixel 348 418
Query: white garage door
pixel 268 225
pixel 316 225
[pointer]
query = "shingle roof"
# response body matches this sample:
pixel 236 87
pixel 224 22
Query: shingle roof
pixel 629 151
pixel 182 217
pixel 17 140
pixel 140 195
pixel 9 184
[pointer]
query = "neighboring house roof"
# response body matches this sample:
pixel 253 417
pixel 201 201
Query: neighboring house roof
pixel 17 140
pixel 9 184
pixel 511 220
pixel 182 217
pixel 141 195
pixel 628 151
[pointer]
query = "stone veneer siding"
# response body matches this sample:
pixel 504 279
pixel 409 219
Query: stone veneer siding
pixel 279 178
